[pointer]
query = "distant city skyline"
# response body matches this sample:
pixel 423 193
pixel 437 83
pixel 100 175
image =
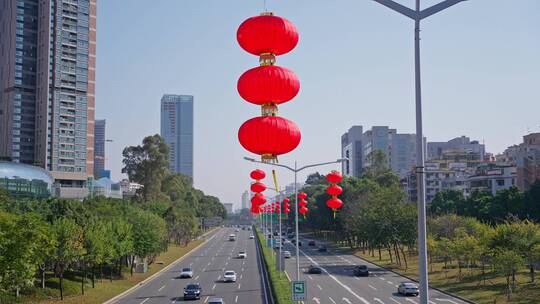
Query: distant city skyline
pixel 480 73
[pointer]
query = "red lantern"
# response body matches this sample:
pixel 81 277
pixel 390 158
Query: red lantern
pixel 258 199
pixel 287 210
pixel 303 210
pixel 268 85
pixel 302 195
pixel 255 209
pixel 334 177
pixel 267 34
pixel 334 203
pixel 286 201
pixel 257 174
pixel 258 187
pixel 302 203
pixel 269 136
pixel 334 190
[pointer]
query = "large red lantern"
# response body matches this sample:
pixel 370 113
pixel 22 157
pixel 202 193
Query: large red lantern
pixel 258 187
pixel 303 211
pixel 257 174
pixel 334 177
pixel 334 203
pixel 268 85
pixel 269 136
pixel 267 34
pixel 258 199
pixel 302 203
pixel 302 195
pixel 334 190
pixel 255 209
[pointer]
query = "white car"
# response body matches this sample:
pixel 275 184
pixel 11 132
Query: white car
pixel 286 254
pixel 242 255
pixel 229 276
pixel 232 237
pixel 408 288
pixel 216 301
pixel 251 237
pixel 186 273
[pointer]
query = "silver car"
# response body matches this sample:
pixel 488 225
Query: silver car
pixel 216 301
pixel 186 273
pixel 408 288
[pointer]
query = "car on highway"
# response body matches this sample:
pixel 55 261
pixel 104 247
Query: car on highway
pixel 229 276
pixel 232 237
pixel 186 273
pixel 312 243
pixel 286 254
pixel 236 230
pixel 251 237
pixel 314 269
pixel 294 242
pixel 361 271
pixel 192 291
pixel 242 255
pixel 249 228
pixel 408 288
pixel 216 301
pixel 323 248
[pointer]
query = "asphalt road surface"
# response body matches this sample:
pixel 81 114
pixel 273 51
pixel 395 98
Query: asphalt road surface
pixel 337 285
pixel 208 263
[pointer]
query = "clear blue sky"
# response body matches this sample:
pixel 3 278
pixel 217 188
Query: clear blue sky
pixel 481 75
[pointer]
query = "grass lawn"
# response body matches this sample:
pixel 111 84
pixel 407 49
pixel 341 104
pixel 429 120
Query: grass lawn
pixel 104 289
pixel 281 286
pixel 471 286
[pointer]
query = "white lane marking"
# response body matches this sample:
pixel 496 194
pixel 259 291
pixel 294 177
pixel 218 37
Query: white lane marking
pixel 236 299
pixel 412 301
pixel 239 285
pixel 357 278
pixel 310 277
pixel 190 264
pixel 145 300
pixel 389 282
pixel 371 286
pixel 394 300
pixel 204 269
pixel 347 300
pixel 382 278
pixel 378 300
pixel 332 300
pixel 161 288
pixel 319 286
pixel 209 263
pixel 206 300
pixel 446 300
pixel 317 300
pixel 214 287
pixel 196 278
pixel 335 279
pixel 241 275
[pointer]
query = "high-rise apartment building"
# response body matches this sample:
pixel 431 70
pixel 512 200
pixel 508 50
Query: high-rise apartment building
pixel 99 148
pixel 352 150
pixel 246 196
pixel 47 85
pixel 177 130
pixel 400 149
pixel 459 145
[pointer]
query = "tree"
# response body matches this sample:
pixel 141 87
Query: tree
pixel 147 165
pixel 446 202
pixel 70 246
pixel 95 234
pixel 507 262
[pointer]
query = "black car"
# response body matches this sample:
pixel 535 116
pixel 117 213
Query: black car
pixel 323 248
pixel 314 269
pixel 361 271
pixel 311 243
pixel 290 235
pixel 192 291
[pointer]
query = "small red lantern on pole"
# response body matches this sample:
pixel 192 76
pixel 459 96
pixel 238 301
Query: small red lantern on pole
pixel 257 187
pixel 286 205
pixel 334 190
pixel 302 204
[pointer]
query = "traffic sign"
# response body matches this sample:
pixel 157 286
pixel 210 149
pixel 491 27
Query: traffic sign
pixel 299 292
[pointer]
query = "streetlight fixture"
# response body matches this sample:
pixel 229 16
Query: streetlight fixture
pixel 296 170
pixel 417 15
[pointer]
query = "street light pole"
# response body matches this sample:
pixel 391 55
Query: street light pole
pixel 417 15
pixel 295 170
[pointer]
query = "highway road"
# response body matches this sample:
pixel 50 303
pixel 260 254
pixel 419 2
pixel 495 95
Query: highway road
pixel 208 262
pixel 337 285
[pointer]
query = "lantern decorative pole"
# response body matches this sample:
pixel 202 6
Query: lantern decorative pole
pixel 417 15
pixel 295 170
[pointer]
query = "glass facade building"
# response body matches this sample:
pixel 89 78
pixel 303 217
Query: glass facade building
pixel 177 130
pixel 47 85
pixel 24 180
pixel 99 148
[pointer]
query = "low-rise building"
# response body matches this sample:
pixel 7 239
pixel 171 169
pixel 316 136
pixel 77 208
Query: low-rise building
pixel 22 180
pixel 128 188
pixel 437 180
pixel 492 177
